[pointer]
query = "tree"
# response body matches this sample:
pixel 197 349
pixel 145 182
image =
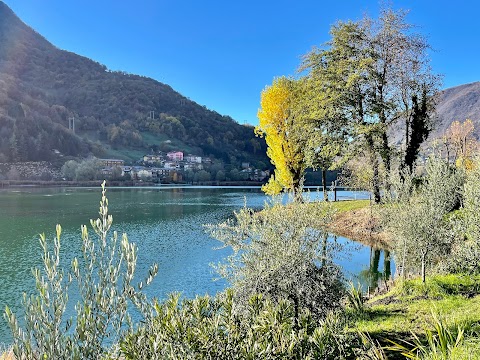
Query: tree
pixel 87 170
pixel 220 176
pixel 69 169
pixel 13 174
pixel 419 130
pixel 277 123
pixel 465 254
pixel 323 127
pixel 202 176
pixel 460 136
pixel 417 221
pixel 373 72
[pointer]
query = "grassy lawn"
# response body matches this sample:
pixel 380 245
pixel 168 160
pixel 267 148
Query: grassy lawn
pixel 415 308
pixel 349 205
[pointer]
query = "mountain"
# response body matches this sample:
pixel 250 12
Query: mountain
pixel 458 103
pixel 115 113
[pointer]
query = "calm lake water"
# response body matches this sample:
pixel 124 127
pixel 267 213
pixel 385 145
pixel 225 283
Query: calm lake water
pixel 164 222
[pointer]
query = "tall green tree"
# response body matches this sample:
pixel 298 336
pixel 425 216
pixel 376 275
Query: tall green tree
pixel 373 71
pixel 419 129
pixel 322 128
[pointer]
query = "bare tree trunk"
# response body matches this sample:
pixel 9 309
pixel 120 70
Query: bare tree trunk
pixel 375 165
pixel 296 305
pixel 324 250
pixel 324 184
pixel 297 185
pixel 423 267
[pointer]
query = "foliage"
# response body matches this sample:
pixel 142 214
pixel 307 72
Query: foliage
pixel 459 136
pixel 466 222
pixel 417 222
pixel 282 252
pixel 370 72
pixel 104 279
pixel 360 177
pixel 355 298
pixel 206 328
pixel 418 129
pixel 88 169
pixel 277 119
pixel 441 342
pixel 323 127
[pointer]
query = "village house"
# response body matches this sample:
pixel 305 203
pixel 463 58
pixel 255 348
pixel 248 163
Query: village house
pixel 126 170
pixel 193 159
pixel 111 162
pixel 152 158
pixel 175 155
pixel 189 166
pixel 171 165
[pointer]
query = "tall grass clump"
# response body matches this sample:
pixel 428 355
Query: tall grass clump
pixel 440 342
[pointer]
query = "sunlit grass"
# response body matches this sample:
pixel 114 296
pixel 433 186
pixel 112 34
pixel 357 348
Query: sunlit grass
pixel 349 205
pixel 408 306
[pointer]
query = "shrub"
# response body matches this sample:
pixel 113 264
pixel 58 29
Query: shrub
pixel 104 279
pixel 215 328
pixel 421 233
pixel 282 252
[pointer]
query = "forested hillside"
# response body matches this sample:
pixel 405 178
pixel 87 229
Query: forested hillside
pixel 42 87
pixel 458 104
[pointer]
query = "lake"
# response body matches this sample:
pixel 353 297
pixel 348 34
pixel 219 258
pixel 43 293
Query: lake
pixel 165 222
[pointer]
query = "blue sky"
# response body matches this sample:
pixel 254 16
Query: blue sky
pixel 222 53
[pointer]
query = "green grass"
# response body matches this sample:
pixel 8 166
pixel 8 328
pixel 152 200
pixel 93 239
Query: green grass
pixel 349 205
pixel 411 308
pixel 439 286
pixel 153 139
pixel 405 316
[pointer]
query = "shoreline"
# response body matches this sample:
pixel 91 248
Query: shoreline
pixel 360 224
pixel 9 184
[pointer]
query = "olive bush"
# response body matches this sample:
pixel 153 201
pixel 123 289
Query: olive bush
pixel 213 328
pixel 422 234
pixel 103 278
pixel 282 252
pixel 465 253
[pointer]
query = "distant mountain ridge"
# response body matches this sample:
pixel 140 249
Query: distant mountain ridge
pixel 458 104
pixel 115 114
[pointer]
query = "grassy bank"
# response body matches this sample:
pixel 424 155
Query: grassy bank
pixel 446 308
pixel 357 220
pixel 349 205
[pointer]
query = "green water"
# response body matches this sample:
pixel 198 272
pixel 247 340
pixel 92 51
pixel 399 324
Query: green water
pixel 164 222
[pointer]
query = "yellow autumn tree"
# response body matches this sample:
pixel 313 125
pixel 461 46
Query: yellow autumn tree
pixel 460 137
pixel 277 123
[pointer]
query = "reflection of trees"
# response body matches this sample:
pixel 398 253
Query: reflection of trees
pixel 372 275
pixel 387 266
